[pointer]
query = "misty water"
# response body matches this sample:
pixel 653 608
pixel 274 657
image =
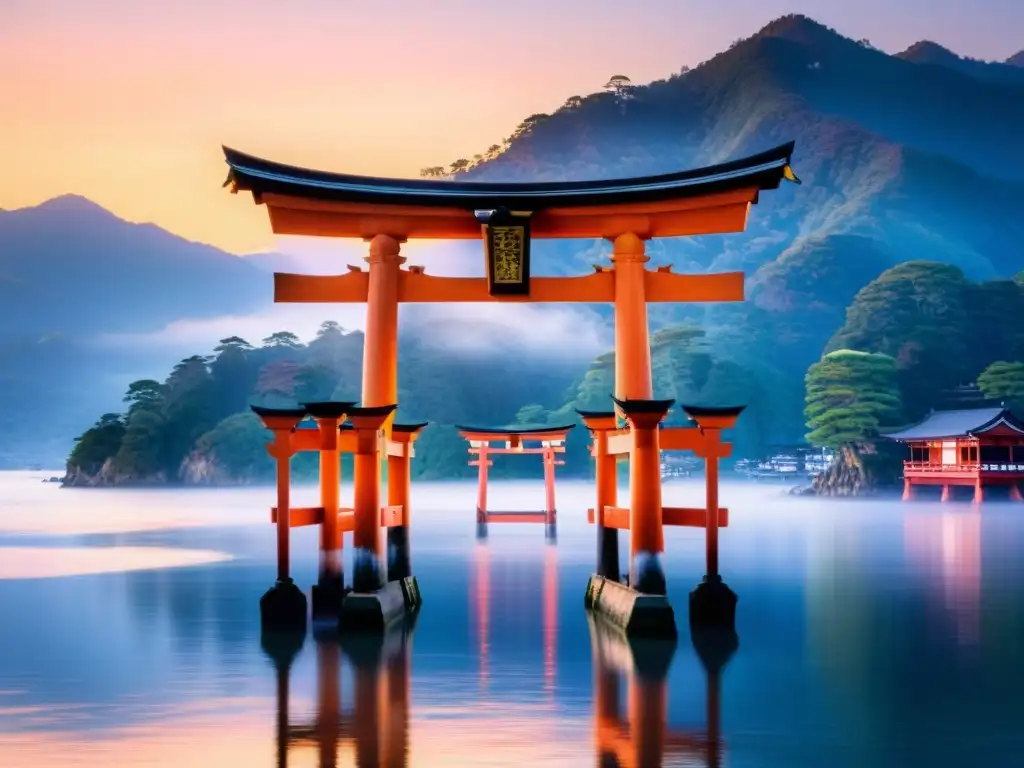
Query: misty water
pixel 870 633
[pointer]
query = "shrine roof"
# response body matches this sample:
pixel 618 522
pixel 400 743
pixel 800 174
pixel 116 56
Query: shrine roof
pixel 761 171
pixel 958 423
pixel 523 431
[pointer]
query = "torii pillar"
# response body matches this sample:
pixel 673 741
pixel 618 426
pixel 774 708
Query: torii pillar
pixel 370 569
pixel 380 344
pixel 646 530
pixel 329 591
pixel 601 424
pixel 399 474
pixel 712 603
pixel 284 605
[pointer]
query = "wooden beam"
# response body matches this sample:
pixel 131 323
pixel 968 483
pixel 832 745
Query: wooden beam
pixel 350 288
pixel 516 517
pixel 713 214
pixel 692 517
pixel 417 287
pixel 670 287
pixel 421 288
pixel 392 516
pixel 299 517
pixel 689 517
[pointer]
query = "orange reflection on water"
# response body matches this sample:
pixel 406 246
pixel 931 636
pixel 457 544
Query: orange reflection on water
pixel 947 546
pixel 642 737
pixel 54 562
pixel 481 595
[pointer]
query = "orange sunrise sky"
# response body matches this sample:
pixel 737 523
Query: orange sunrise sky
pixel 128 101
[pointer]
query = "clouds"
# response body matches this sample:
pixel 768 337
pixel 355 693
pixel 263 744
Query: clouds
pixel 566 331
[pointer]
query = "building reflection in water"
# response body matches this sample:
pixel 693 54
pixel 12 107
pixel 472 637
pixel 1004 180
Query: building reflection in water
pixel 947 548
pixel 377 727
pixel 640 737
pixel 480 594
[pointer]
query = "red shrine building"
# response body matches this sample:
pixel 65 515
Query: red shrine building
pixel 978 448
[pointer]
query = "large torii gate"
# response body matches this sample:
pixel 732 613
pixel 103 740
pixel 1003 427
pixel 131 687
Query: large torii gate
pixel 387 212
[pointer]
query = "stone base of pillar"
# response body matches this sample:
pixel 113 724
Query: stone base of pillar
pixel 327 595
pixel 636 614
pixel 283 607
pixel 376 611
pixel 646 574
pixel 713 605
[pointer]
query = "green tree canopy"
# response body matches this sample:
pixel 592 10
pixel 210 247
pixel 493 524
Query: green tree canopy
pixel 1004 381
pixel 850 396
pixel 917 314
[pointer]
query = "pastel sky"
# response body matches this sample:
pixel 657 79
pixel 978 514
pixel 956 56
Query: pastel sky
pixel 128 101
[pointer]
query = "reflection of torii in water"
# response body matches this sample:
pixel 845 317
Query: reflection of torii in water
pixel 642 738
pixel 482 598
pixel 378 730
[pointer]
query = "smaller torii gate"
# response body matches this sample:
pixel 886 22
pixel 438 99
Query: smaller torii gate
pixel 548 443
pixel 382 588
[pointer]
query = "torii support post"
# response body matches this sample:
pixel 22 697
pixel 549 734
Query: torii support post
pixel 329 591
pixel 380 345
pixel 374 602
pixel 601 424
pixel 369 572
pixel 646 534
pixel 712 603
pixel 399 469
pixel 284 605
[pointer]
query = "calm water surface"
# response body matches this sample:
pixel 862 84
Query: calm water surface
pixel 870 634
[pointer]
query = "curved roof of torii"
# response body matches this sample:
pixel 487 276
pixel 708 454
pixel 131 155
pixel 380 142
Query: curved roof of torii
pixel 525 431
pixel 762 171
pixel 959 423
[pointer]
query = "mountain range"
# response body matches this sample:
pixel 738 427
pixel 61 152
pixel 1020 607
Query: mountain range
pixel 917 155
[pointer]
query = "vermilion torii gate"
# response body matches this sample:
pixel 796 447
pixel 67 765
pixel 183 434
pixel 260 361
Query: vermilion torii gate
pixel 387 212
pixel 513 441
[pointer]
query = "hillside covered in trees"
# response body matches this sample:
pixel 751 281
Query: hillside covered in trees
pixel 912 337
pixel 196 427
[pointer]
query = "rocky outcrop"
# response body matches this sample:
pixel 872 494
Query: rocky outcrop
pixel 859 469
pixel 202 468
pixel 107 476
pixel 198 468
